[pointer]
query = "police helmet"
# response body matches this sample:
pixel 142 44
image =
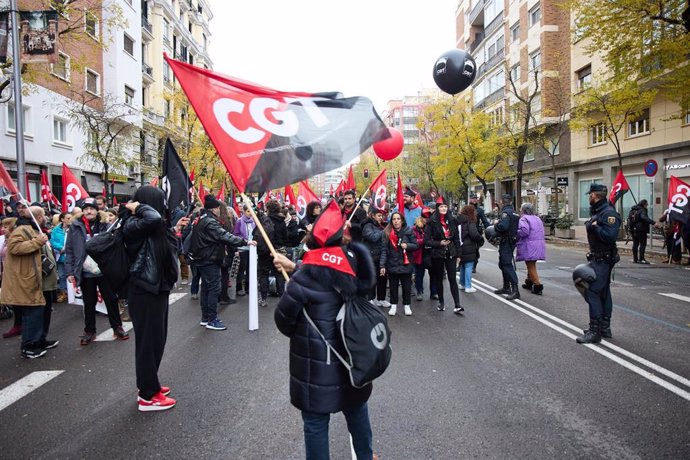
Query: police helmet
pixel 492 235
pixel 583 276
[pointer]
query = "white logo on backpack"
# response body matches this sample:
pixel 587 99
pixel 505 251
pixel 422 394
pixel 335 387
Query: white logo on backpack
pixel 379 331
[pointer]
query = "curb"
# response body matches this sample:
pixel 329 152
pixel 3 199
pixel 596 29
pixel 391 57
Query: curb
pixel 623 250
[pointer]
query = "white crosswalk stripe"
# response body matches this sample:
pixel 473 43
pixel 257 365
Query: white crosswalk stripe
pixel 24 386
pixel 675 296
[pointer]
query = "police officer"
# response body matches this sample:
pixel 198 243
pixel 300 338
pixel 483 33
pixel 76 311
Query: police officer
pixel 507 226
pixel 602 231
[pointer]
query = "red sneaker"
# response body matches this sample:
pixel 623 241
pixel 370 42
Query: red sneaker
pixel 158 402
pixel 13 332
pixel 165 391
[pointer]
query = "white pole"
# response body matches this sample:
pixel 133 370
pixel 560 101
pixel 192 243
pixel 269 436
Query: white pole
pixel 253 290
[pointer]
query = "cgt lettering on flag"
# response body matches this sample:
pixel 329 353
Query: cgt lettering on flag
pixel 679 200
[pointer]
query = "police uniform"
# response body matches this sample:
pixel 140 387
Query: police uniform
pixel 507 230
pixel 602 233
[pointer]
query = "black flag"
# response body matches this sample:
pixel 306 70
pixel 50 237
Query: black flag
pixel 175 181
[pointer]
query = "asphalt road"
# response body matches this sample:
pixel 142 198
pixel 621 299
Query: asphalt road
pixel 506 380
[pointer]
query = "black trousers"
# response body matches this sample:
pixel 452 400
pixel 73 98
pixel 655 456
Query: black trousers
pixel 639 246
pixel 149 314
pixel 264 268
pixel 243 272
pixel 437 267
pixel 378 291
pixel 405 280
pixel 47 313
pixel 90 296
pixel 506 264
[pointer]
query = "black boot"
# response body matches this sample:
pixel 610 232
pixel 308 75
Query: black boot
pixel 514 292
pixel 538 289
pixel 605 328
pixel 505 290
pixel 591 335
pixel 528 284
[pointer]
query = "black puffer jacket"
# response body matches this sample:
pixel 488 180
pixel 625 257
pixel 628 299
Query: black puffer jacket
pixel 392 257
pixel 208 239
pixel 433 235
pixel 372 237
pixel 642 220
pixel 316 386
pixel 146 271
pixel 469 237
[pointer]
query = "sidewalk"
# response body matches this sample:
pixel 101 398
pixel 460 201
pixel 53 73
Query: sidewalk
pixel 654 251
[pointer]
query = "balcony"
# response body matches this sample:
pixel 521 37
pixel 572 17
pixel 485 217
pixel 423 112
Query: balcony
pixel 147 72
pixel 152 117
pixel 477 14
pixel 494 24
pixel 477 41
pixel 146 28
pixel 185 5
pixel 491 63
pixel 490 99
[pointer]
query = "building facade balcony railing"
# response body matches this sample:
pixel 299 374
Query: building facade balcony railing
pixel 478 39
pixel 490 99
pixel 477 14
pixel 147 71
pixel 491 63
pixel 493 25
pixel 147 28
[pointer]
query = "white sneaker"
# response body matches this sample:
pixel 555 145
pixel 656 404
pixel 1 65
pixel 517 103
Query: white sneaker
pixel 375 303
pixel 408 310
pixel 470 289
pixel 393 310
pixel 384 304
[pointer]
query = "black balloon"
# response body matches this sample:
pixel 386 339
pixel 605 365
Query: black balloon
pixel 454 71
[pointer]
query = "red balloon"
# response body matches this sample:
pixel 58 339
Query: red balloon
pixel 391 147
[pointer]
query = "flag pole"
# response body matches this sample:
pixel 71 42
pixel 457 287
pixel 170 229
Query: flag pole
pixel 248 203
pixel 358 203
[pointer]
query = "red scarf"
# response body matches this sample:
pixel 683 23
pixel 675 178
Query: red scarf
pixel 394 238
pixel 332 257
pixel 87 225
pixel 444 225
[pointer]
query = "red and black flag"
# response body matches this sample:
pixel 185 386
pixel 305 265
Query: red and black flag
pixel 619 188
pixel 268 139
pixel 678 201
pixel 378 191
pixel 175 181
pixel 305 195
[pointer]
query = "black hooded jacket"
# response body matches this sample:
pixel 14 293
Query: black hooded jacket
pixel 315 385
pixel 209 238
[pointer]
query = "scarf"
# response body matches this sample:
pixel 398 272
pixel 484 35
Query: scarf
pixel 395 238
pixel 87 225
pixel 444 225
pixel 331 257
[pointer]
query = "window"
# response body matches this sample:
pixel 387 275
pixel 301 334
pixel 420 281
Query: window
pixel 91 24
pixel 129 95
pixel 205 40
pixel 597 135
pixel 534 15
pixel 535 62
pixel 687 118
pixel 11 123
pixel 583 209
pixel 492 8
pixel 129 45
pixel 166 31
pixel 166 72
pixel 584 78
pixel 496 117
pixel 61 68
pixel 60 130
pixel 93 82
pixel 515 33
pixel 529 154
pixel 515 74
pixel 640 125
pixel 167 108
pixel 496 46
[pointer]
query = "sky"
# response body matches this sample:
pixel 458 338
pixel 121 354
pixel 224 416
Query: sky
pixel 381 49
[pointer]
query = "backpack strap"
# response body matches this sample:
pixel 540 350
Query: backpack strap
pixel 329 347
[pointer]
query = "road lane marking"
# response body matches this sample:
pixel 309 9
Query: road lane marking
pixel 108 336
pixel 675 296
pixel 174 297
pixel 488 289
pixel 13 393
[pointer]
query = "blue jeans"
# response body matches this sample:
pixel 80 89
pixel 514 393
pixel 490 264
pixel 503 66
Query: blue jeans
pixel 62 278
pixel 466 274
pixel 210 275
pixel 316 433
pixel 419 278
pixel 196 279
pixel 32 325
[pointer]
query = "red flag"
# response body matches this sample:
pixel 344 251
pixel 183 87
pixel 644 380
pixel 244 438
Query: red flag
pixel 342 186
pixel 103 191
pixel 154 182
pixel 114 201
pixel 305 195
pixel 28 192
pixel 202 192
pixel 221 194
pixel 350 180
pixel 268 138
pixel 6 181
pixel 378 190
pixel 678 200
pixel 418 200
pixel 620 186
pixel 46 195
pixel 399 198
pixel 331 193
pixel 290 198
pixel 191 176
pixel 235 206
pixel 72 190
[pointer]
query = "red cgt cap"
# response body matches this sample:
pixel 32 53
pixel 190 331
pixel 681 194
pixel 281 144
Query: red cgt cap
pixel 328 228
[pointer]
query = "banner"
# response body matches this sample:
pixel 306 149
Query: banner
pixel 305 195
pixel 175 181
pixel 678 201
pixel 72 190
pixel 267 138
pixel 75 297
pixel 38 36
pixel 378 191
pixel 619 188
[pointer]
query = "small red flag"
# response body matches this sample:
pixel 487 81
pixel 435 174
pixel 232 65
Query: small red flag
pixel 154 182
pixel 6 181
pixel 399 197
pixel 305 195
pixel 378 191
pixel 46 195
pixel 114 201
pixel 342 186
pixel 72 190
pixel 221 194
pixel 350 180
pixel 290 198
pixel 620 186
pixel 235 206
pixel 202 192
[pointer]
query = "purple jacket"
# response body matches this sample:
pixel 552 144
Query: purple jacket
pixel 531 244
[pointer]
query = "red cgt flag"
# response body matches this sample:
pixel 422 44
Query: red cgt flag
pixel 305 195
pixel 267 138
pixel 619 188
pixel 72 190
pixel 400 198
pixel 378 191
pixel 6 181
pixel 290 198
pixel 678 201
pixel 46 195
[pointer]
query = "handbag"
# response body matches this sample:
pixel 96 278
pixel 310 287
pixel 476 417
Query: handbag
pixel 108 252
pixel 47 265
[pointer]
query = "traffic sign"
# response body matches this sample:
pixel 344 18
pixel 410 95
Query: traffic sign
pixel 562 181
pixel 650 168
pixel 556 190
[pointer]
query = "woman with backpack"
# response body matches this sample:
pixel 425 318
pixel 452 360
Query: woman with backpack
pixel 152 250
pixel 319 385
pixel 396 260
